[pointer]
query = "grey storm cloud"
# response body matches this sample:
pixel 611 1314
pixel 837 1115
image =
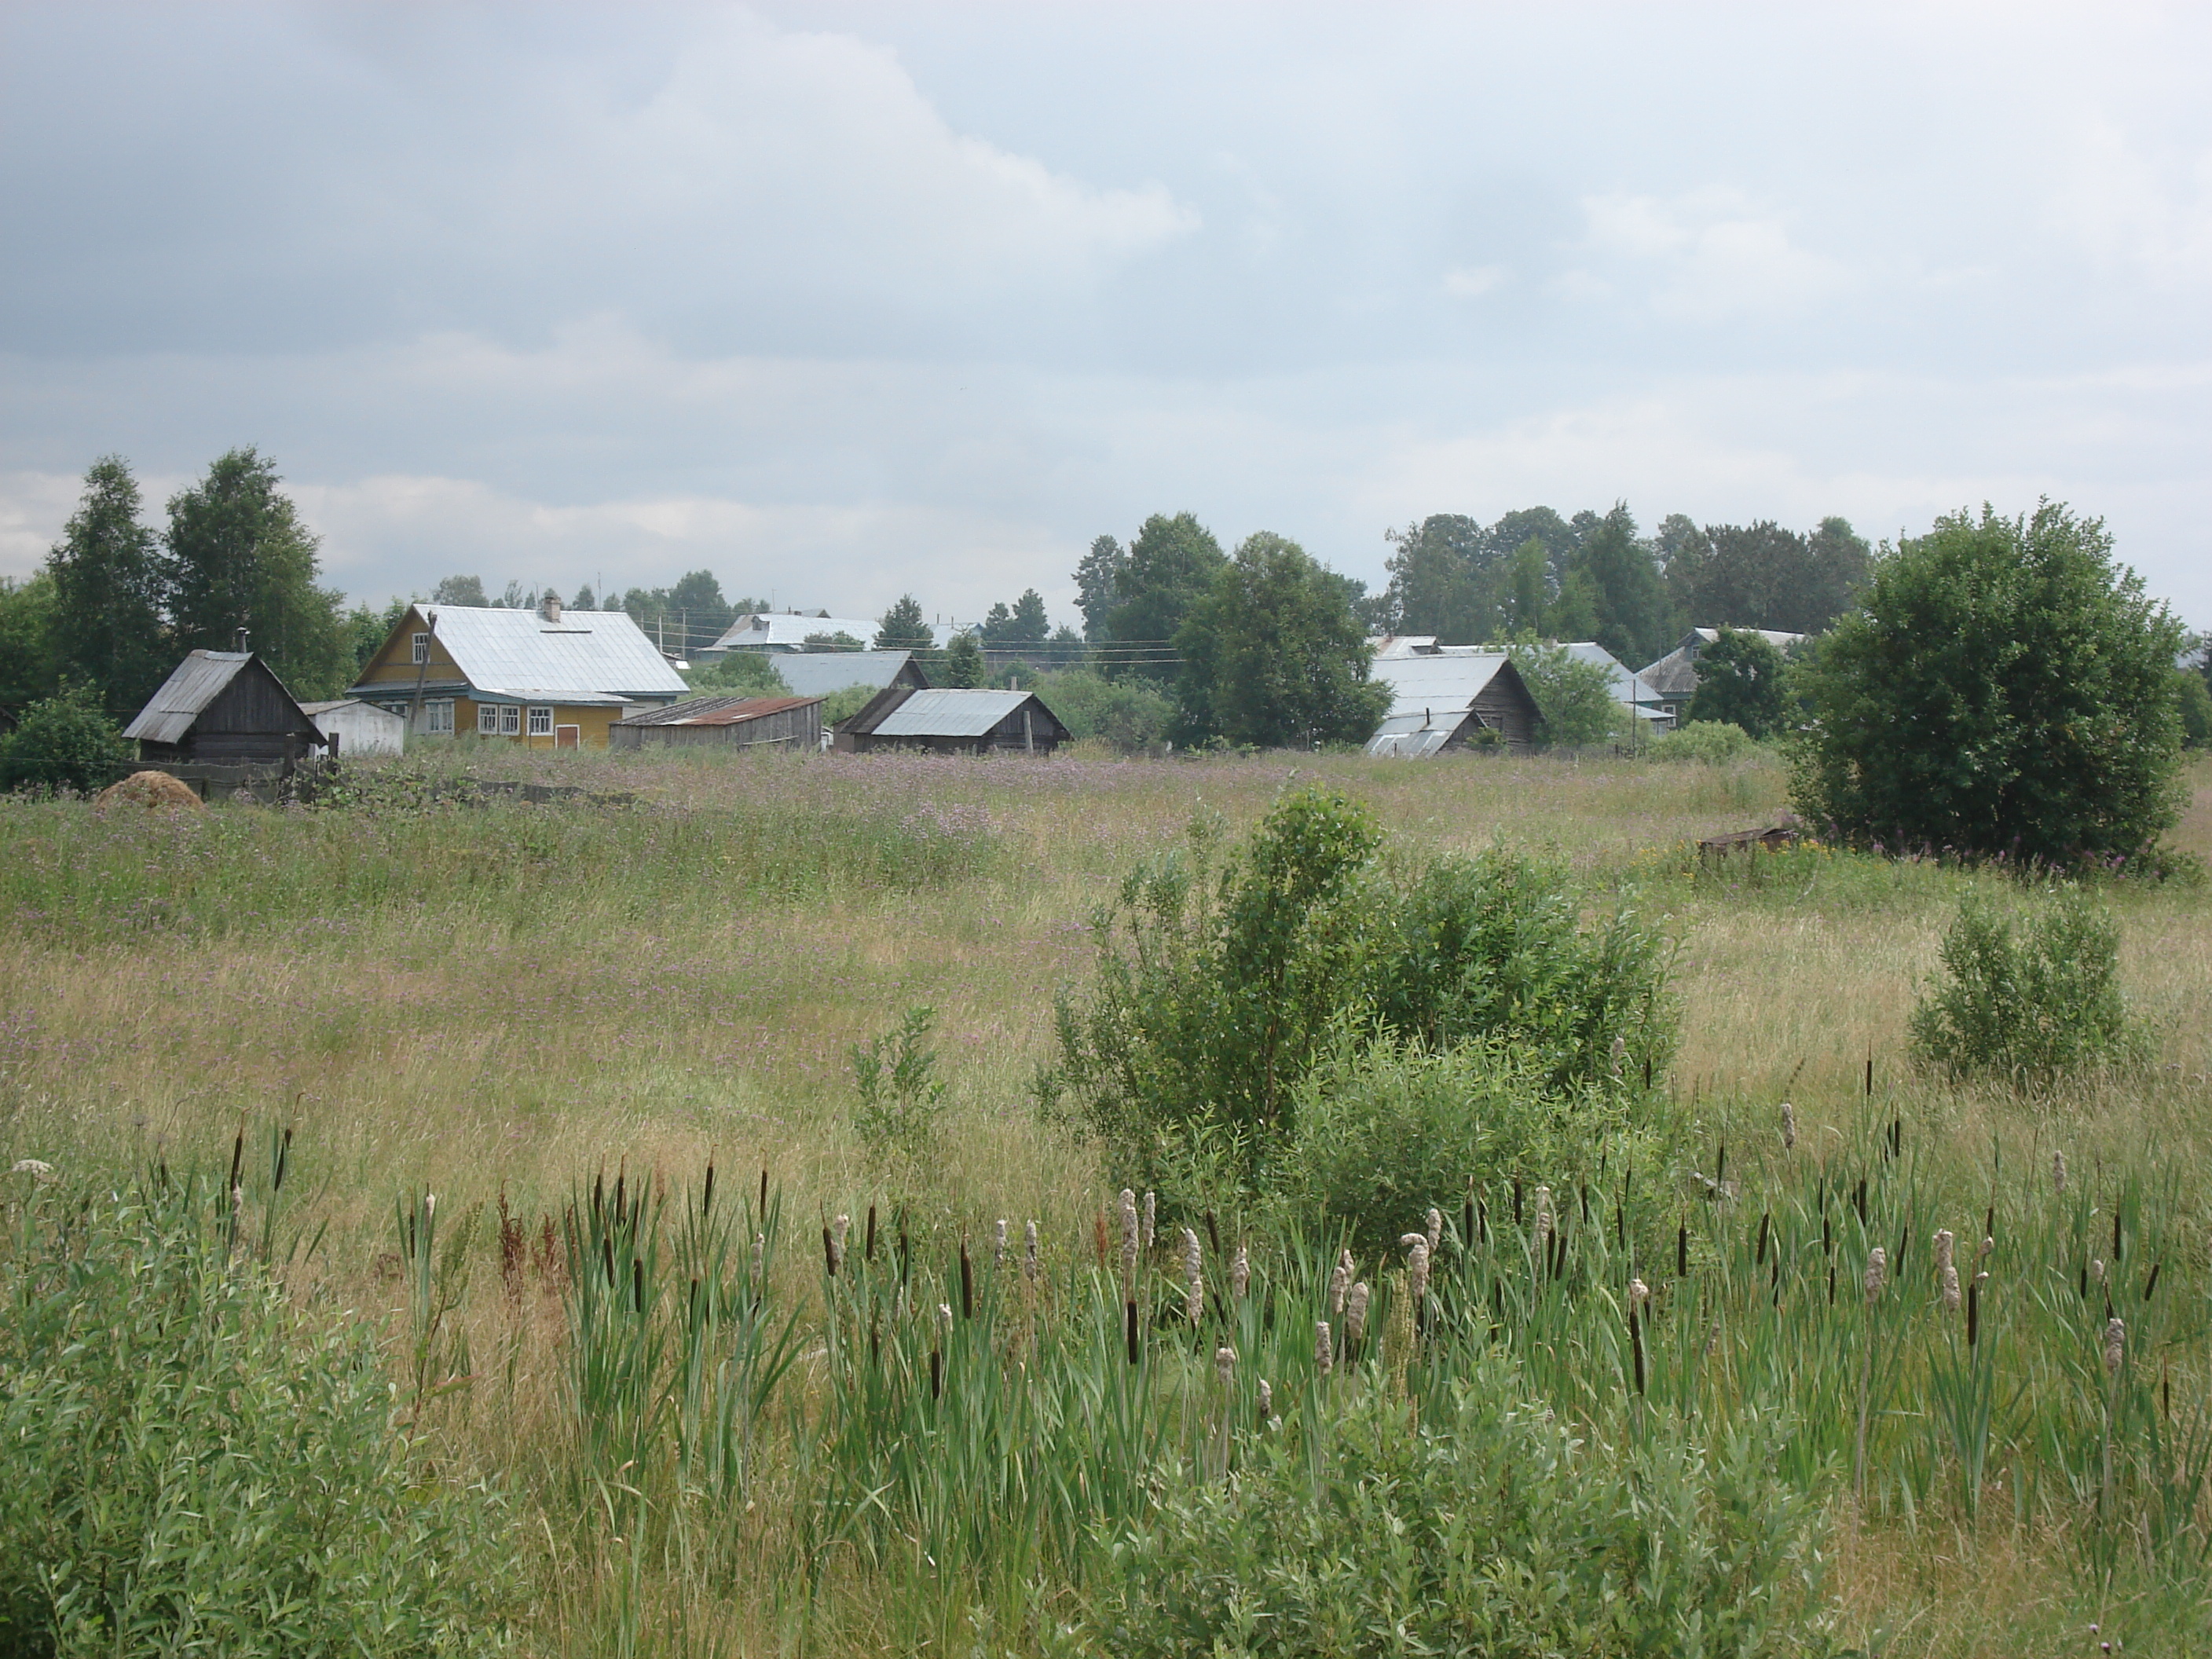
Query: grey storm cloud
pixel 846 301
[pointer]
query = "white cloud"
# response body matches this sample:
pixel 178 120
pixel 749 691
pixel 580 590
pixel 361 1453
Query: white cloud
pixel 2131 203
pixel 1713 257
pixel 33 506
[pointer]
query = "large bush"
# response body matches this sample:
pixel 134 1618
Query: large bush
pixel 1739 684
pixel 2006 690
pixel 1714 743
pixel 2027 1003
pixel 65 742
pixel 1223 977
pixel 191 1468
pixel 1488 1527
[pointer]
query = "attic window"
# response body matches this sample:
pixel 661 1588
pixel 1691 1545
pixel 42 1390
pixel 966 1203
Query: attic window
pixel 421 647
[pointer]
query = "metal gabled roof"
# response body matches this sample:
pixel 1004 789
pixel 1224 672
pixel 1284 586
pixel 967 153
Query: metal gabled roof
pixel 192 684
pixel 781 630
pixel 718 711
pixel 587 658
pixel 1451 678
pixel 950 713
pixel 817 673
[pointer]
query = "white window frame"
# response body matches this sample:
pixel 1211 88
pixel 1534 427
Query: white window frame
pixel 438 717
pixel 541 720
pixel 487 719
pixel 422 648
pixel 510 719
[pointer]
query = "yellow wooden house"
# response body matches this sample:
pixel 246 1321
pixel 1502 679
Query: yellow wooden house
pixel 546 678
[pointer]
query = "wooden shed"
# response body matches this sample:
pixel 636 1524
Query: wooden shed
pixel 226 708
pixel 953 722
pixel 725 723
pixel 1451 699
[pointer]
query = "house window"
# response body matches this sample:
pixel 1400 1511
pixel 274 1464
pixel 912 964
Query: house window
pixel 421 647
pixel 541 721
pixel 510 718
pixel 488 720
pixel 438 717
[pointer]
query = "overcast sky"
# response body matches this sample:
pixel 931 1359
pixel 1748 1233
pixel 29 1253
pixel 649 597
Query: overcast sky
pixel 845 300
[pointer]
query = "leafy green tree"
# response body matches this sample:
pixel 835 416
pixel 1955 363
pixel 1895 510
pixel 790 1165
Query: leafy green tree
pixel 238 556
pixel 1838 561
pixel 585 599
pixel 1170 568
pixel 1524 588
pixel 837 641
pixel 1438 580
pixel 739 671
pixel 66 741
pixel 1098 585
pixel 1132 715
pixel 1761 576
pixel 1739 682
pixel 2006 689
pixel 27 658
pixel 1273 657
pixel 1025 624
pixel 963 664
pixel 1574 698
pixel 106 571
pixel 466 591
pixel 2195 705
pixel 1627 600
pixel 903 627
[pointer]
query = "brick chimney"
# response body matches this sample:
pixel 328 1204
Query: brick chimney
pixel 551 608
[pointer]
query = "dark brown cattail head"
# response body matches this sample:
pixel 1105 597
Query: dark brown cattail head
pixel 764 1197
pixel 1682 1252
pixel 1129 1328
pixel 1973 1311
pixel 966 1283
pixel 707 1199
pixel 637 1285
pixel 828 1251
pixel 1766 1225
pixel 2151 1284
pixel 868 1254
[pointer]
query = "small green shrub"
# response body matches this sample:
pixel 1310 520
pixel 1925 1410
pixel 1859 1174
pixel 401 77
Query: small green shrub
pixel 1716 742
pixel 901 1096
pixel 1489 1528
pixel 2027 1004
pixel 193 1468
pixel 1387 1128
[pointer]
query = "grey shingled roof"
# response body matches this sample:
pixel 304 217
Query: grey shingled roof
pixel 817 673
pixel 588 657
pixel 192 684
pixel 950 713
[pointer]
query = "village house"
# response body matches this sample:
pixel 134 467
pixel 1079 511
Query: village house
pixel 817 673
pixel 1449 697
pixel 953 722
pixel 738 722
pixel 225 724
pixel 1671 683
pixel 544 677
pixel 786 631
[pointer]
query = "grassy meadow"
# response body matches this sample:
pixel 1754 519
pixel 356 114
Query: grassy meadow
pixel 501 1004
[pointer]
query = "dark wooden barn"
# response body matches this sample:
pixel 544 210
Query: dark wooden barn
pixel 725 723
pixel 953 722
pixel 224 708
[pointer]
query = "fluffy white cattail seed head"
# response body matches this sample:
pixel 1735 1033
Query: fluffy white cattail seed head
pixel 1947 1272
pixel 1944 1243
pixel 1417 1268
pixel 998 1244
pixel 1355 1312
pixel 430 1205
pixel 1543 1221
pixel 2116 1344
pixel 1988 1245
pixel 1240 1274
pixel 1031 1264
pixel 1789 1126
pixel 1194 1277
pixel 1225 1364
pixel 1877 1273
pixel 2058 1173
pixel 1638 1293
pixel 1151 1212
pixel 1324 1349
pixel 2097 1269
pixel 1129 1236
pixel 1435 1230
pixel 1339 1283
pixel 1267 1402
pixel 945 1321
pixel 760 1255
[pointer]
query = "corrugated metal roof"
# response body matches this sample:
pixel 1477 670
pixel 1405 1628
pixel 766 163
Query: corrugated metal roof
pixel 779 630
pixel 817 673
pixel 591 658
pixel 718 711
pixel 950 713
pixel 192 684
pixel 1452 678
pixel 1419 733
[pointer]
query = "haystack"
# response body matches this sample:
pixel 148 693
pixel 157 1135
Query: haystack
pixel 156 791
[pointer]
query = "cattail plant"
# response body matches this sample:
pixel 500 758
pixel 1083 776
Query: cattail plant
pixel 1240 1275
pixel 1193 1279
pixel 1355 1316
pixel 2058 1173
pixel 1339 1283
pixel 1129 1245
pixel 1639 1293
pixel 999 1246
pixel 1324 1350
pixel 1150 1215
pixel 1876 1278
pixel 1543 1226
pixel 1032 1267
pixel 1267 1404
pixel 1436 1230
pixel 2115 1345
pixel 1789 1126
pixel 1225 1364
pixel 1416 1272
pixel 1947 1273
